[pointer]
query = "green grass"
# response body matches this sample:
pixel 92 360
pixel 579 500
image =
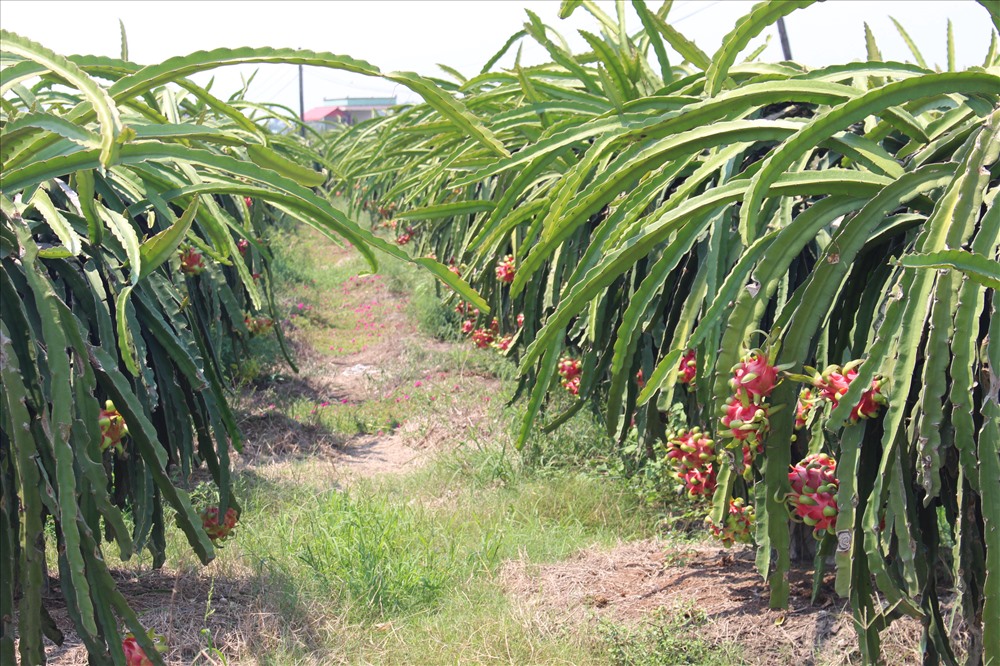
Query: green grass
pixel 666 639
pixel 422 552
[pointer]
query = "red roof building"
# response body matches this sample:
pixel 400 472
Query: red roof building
pixel 348 110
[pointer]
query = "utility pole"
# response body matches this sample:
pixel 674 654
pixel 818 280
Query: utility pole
pixel 786 49
pixel 302 103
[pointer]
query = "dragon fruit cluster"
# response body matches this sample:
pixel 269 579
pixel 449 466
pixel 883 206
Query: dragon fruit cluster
pixel 692 457
pixel 813 499
pixel 467 309
pixel 745 414
pixel 113 428
pixel 215 530
pixel 832 384
pixel 258 325
pixel 688 368
pixel 482 337
pixel 503 343
pixel 569 371
pixel 505 269
pixel 737 526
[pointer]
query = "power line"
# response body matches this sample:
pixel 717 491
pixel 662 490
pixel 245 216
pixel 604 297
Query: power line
pixel 697 11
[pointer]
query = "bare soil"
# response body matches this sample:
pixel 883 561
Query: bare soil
pixel 633 582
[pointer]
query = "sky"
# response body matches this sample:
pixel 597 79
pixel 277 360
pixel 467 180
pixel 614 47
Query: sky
pixel 416 35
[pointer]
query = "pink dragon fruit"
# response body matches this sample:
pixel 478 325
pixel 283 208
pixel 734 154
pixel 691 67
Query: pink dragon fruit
pixel 569 370
pixel 505 269
pixel 692 457
pixel 688 368
pixel 215 530
pixel 192 263
pixel 482 337
pixel 744 422
pixel 803 408
pixel 813 499
pixel 834 382
pixel 135 655
pixel 738 525
pixel 113 428
pixel 871 402
pixel 503 344
pixel 754 375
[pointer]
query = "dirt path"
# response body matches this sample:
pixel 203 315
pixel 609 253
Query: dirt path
pixel 399 375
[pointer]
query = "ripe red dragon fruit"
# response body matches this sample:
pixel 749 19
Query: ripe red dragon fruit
pixel 192 263
pixel 813 499
pixel 495 325
pixel 692 457
pixel 569 370
pixel 754 375
pixel 464 308
pixel 750 454
pixel 871 402
pixel 113 428
pixel 503 344
pixel 482 337
pixel 520 320
pixel 803 408
pixel 215 530
pixel 135 655
pixel 688 368
pixel 505 269
pixel 834 382
pixel 744 422
pixel 258 325
pixel 243 245
pixel 248 201
pixel 639 379
pixel 738 525
pixel 468 326
pixel 403 239
pixel 568 367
